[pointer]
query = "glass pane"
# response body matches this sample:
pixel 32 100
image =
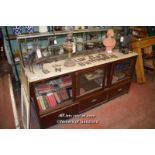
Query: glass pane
pixel 91 81
pixel 121 71
pixel 53 92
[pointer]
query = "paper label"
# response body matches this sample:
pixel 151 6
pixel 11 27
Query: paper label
pixel 55 41
pixel 39 53
pixel 74 48
pixel 121 39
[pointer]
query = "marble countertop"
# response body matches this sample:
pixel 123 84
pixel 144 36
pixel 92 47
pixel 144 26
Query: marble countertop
pixel 81 62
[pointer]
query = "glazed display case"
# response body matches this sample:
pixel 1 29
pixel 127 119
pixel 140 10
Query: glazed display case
pixel 74 90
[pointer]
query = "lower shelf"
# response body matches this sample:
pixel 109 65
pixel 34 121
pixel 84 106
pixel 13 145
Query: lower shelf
pixel 82 104
pixel 57 115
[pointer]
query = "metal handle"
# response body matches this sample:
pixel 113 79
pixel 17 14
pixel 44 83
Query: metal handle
pixel 94 100
pixel 120 89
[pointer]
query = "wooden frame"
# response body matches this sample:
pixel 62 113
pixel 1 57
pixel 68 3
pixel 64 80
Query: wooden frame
pixel 88 100
pixel 25 109
pixel 137 47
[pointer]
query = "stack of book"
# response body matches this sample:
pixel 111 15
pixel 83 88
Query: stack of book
pixel 66 81
pixel 44 88
pixel 53 92
pixel 50 100
pixel 46 101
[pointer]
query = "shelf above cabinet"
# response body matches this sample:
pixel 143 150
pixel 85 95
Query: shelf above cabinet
pixel 38 35
pixel 14 37
pixel 11 37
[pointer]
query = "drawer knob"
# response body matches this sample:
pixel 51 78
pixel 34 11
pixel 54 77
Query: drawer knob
pixel 94 100
pixel 120 89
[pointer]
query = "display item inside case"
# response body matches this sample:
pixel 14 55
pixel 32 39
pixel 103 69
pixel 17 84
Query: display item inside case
pixel 91 81
pixel 122 71
pixel 54 92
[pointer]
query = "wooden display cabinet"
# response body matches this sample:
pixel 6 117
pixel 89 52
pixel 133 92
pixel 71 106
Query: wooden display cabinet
pixel 79 88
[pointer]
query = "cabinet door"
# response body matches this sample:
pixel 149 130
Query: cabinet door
pixel 90 80
pixel 53 93
pixel 122 70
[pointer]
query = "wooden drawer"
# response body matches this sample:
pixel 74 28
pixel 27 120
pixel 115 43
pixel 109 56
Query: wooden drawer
pixel 119 90
pixel 91 101
pixel 60 114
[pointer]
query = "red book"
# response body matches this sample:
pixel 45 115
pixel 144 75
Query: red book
pixel 39 105
pixel 48 101
pixel 57 97
pixel 63 93
pixel 43 88
pixel 52 99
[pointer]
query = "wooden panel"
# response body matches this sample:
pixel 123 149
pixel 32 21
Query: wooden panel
pixel 24 81
pixel 94 99
pixel 6 112
pixel 56 116
pixel 119 90
pixel 143 42
pixel 139 67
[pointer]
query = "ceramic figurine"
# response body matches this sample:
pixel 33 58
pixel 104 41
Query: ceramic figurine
pixel 17 30
pixel 29 29
pixel 109 42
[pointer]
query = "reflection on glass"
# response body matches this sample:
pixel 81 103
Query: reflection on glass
pixel 121 71
pixel 91 81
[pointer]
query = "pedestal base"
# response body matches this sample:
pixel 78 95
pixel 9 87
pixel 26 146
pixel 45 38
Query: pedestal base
pixel 69 63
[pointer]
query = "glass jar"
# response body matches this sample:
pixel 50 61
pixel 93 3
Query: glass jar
pixel 79 44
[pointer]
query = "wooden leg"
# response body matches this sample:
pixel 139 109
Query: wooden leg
pixel 139 67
